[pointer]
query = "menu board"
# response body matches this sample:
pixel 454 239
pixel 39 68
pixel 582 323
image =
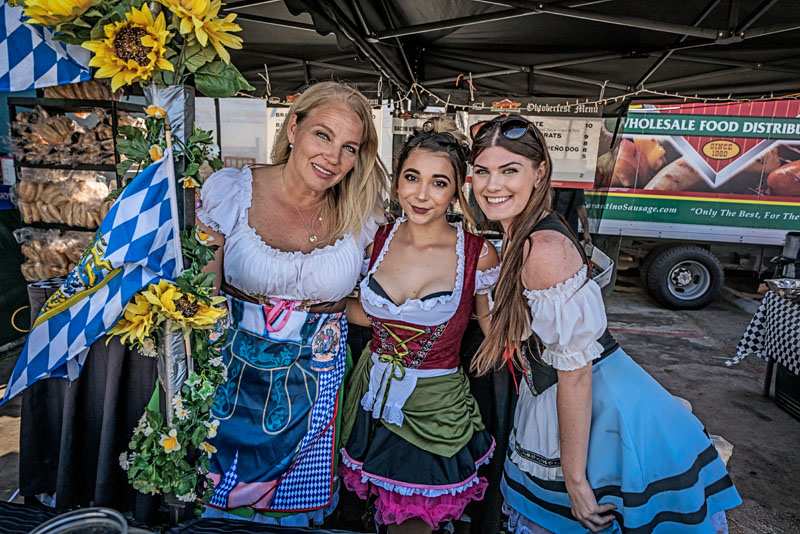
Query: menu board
pixel 573 144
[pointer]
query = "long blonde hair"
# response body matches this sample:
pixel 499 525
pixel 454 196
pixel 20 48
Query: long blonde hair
pixel 511 317
pixel 360 194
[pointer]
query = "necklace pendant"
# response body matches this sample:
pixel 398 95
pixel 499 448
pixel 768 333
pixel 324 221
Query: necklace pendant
pixel 312 238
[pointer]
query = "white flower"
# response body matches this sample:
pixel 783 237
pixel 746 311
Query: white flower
pixel 212 427
pixel 123 461
pixel 180 411
pixel 148 348
pixel 177 402
pixel 189 497
pixel 216 362
pixel 143 427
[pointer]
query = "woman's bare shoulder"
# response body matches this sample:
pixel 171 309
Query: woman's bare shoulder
pixel 551 259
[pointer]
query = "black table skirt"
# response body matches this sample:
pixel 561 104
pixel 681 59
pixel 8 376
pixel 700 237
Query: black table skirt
pixel 72 434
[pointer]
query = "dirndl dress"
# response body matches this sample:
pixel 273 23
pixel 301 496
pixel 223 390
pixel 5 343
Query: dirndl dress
pixel 647 453
pixel 416 439
pixel 278 438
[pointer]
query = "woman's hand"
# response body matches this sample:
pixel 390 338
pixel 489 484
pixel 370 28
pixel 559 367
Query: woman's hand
pixel 591 515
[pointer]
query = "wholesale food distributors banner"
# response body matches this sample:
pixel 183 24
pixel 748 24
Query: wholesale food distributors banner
pixel 729 170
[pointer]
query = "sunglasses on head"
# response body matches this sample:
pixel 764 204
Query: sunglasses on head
pixel 512 128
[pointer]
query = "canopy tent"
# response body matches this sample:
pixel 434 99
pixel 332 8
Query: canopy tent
pixel 565 49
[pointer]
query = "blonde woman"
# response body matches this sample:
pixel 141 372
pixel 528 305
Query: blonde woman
pixel 292 238
pixel 597 443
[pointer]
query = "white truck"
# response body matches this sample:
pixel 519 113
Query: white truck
pixel 688 190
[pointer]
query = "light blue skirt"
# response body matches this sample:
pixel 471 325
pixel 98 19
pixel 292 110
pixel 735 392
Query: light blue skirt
pixel 648 455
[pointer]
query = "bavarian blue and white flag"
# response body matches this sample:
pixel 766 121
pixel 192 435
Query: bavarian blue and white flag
pixel 31 58
pixel 138 243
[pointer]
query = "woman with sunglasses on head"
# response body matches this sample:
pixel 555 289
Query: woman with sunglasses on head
pixel 417 438
pixel 597 443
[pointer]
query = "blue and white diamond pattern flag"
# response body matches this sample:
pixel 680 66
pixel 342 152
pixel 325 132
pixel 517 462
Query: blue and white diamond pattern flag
pixel 137 244
pixel 30 58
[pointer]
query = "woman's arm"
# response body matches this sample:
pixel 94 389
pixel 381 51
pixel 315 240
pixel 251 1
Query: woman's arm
pixel 553 259
pixel 574 404
pixel 355 312
pixel 487 260
pixel 215 265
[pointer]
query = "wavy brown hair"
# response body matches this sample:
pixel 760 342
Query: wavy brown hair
pixel 511 317
pixel 439 135
pixel 361 193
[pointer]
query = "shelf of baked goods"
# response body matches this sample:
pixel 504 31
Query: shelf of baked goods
pixel 68 105
pixel 50 252
pixel 72 199
pixel 70 167
pixel 84 141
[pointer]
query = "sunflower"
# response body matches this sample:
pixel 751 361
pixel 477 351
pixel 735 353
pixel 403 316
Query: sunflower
pixel 155 112
pixel 201 18
pixel 191 14
pixel 137 323
pixel 199 315
pixel 170 303
pixel 54 12
pixel 218 31
pixel 133 48
pixel 162 297
pixel 155 152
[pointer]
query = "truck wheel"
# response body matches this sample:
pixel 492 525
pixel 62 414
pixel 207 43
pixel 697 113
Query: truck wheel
pixel 644 265
pixel 684 277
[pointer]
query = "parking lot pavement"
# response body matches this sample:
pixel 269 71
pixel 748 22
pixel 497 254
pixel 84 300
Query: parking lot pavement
pixel 685 351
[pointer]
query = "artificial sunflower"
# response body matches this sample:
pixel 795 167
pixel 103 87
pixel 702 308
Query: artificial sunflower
pixel 219 32
pixel 163 296
pixel 201 18
pixel 170 303
pixel 199 315
pixel 156 112
pixel 191 13
pixel 54 12
pixel 137 322
pixel 155 152
pixel 133 49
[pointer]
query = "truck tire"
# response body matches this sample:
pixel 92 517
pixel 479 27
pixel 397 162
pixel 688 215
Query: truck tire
pixel 644 265
pixel 684 277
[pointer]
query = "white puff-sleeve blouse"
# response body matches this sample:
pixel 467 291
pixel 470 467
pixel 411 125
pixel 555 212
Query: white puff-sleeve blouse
pixel 325 274
pixel 569 318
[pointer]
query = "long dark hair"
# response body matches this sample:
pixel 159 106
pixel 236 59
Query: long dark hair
pixel 510 315
pixel 439 135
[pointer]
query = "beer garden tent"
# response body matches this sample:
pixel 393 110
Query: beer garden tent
pixel 517 48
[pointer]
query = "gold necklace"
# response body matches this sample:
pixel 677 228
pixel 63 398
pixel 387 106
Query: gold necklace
pixel 310 234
